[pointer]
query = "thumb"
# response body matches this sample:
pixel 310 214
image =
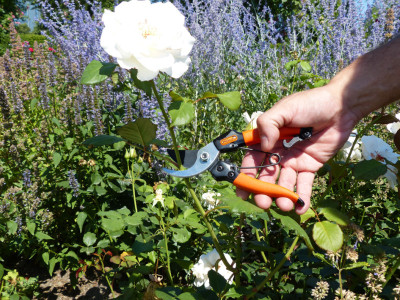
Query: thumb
pixel 268 125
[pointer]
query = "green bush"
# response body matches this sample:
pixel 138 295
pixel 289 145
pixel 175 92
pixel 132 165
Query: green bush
pixel 31 38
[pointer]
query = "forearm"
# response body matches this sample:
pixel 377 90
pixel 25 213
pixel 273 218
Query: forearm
pixel 372 81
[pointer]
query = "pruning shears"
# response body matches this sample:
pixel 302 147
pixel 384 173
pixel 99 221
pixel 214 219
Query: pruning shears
pixel 207 159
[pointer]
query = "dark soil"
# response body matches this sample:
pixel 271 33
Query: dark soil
pixel 58 286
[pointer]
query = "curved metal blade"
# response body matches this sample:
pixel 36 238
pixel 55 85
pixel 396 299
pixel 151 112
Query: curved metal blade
pixel 206 157
pixel 188 157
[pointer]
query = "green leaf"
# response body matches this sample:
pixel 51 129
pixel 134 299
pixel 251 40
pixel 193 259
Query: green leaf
pixel 231 100
pixel 136 218
pixel 160 143
pixel 238 205
pixel 52 264
pixel 96 178
pixel 176 97
pixel 181 113
pixel 81 220
pixel 180 235
pixel 1 271
pixel 369 169
pixel 12 227
pixel 46 257
pixel 217 281
pixel 56 159
pixel 305 65
pixel 42 236
pixel 290 223
pixel 355 265
pixel 112 224
pixel 102 140
pixel 140 246
pixel 96 72
pixel 89 238
pixel 328 236
pixel 31 226
pixel 332 214
pixel 289 65
pixel 168 293
pixel 188 296
pixel 142 131
pixel 34 101
pixel 73 255
pixel 307 215
pixel 141 85
pixel 69 142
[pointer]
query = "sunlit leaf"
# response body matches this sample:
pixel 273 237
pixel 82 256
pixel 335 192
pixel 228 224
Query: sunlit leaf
pixel 181 113
pixel 141 132
pixel 97 71
pixel 89 238
pixel 332 214
pixel 328 236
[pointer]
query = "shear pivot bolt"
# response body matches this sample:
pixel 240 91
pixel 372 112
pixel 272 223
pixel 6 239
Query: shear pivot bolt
pixel 204 156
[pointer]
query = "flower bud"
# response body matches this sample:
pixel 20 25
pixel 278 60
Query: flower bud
pixel 131 154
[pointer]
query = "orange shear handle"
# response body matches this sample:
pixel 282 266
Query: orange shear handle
pixel 252 137
pixel 257 186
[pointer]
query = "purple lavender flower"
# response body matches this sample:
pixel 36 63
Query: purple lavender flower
pixel 27 178
pixel 73 183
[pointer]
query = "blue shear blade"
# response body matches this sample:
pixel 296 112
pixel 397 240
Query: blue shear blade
pixel 209 151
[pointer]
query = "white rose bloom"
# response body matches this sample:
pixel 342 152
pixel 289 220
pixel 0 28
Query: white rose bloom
pixel 375 148
pixel 251 121
pixel 210 198
pixel 208 262
pixel 148 37
pixel 158 198
pixel 345 150
pixel 394 127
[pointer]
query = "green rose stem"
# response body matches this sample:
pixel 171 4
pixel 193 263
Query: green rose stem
pixel 277 268
pixel 164 231
pixel 187 182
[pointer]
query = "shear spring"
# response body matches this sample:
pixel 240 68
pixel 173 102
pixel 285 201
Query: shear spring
pixel 270 157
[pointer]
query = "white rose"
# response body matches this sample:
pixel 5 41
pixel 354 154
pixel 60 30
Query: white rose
pixel 148 37
pixel 210 198
pixel 345 150
pixel 375 148
pixel 251 121
pixel 394 127
pixel 208 262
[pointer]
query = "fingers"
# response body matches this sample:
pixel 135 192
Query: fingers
pixel 270 175
pixel 287 179
pixel 304 188
pixel 268 129
pixel 251 159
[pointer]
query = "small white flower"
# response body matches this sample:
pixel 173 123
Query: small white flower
pixel 251 121
pixel 148 37
pixel 208 262
pixel 159 197
pixel 210 198
pixel 394 127
pixel 375 148
pixel 345 150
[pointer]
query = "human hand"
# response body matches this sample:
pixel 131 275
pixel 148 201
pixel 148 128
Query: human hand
pixel 323 110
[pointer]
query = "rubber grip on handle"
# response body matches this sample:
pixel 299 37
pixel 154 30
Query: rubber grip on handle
pixel 252 137
pixel 257 186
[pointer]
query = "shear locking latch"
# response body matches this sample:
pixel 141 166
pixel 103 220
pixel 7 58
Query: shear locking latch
pixel 305 133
